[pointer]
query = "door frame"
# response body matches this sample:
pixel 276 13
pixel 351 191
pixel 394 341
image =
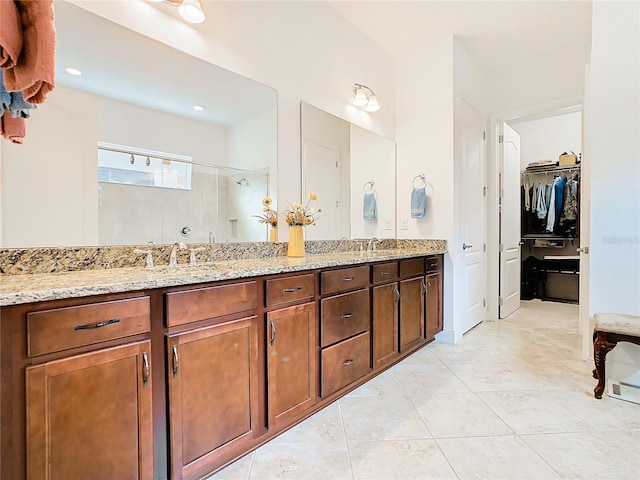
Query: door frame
pixel 492 174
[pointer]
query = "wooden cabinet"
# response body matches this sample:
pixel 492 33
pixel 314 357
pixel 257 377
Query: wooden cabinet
pixel 213 393
pixel 411 313
pixel 291 361
pixel 385 323
pixel 89 416
pixel 433 300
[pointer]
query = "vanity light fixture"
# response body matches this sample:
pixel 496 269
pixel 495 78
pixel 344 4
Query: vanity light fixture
pixel 73 71
pixel 190 10
pixel 363 96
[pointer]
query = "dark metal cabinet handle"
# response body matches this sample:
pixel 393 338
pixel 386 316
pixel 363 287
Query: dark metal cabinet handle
pixel 145 371
pixel 396 294
pixel 346 315
pixel 386 273
pixel 273 333
pixel 176 359
pixel 347 279
pixel 433 265
pixel 88 326
pixel 348 362
pixel 292 290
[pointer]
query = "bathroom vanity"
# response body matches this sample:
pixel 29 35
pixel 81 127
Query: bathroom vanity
pixel 134 373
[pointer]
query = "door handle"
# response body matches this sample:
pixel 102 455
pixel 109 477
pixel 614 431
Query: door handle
pixel 176 359
pixel 273 333
pixel 582 250
pixel 465 246
pixel 145 369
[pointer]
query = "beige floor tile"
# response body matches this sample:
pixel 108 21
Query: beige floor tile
pixel 490 377
pixel 495 458
pixel 459 415
pixel 324 426
pixel 528 412
pixel 382 417
pixel 427 380
pixel 238 470
pixel 424 356
pixel 590 455
pixel 302 462
pixel 399 459
pixel 384 384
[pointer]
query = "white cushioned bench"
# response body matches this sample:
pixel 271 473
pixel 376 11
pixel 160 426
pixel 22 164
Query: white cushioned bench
pixel 609 329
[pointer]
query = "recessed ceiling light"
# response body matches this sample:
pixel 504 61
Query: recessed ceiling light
pixel 73 71
pixel 198 108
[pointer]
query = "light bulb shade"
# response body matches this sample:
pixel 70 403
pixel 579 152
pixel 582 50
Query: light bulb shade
pixel 360 98
pixel 191 11
pixel 372 105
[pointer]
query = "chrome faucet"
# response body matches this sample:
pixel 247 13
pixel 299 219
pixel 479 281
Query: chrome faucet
pixel 372 245
pixel 212 237
pixel 173 257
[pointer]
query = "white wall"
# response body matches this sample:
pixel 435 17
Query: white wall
pixel 50 194
pixel 615 158
pixel 614 119
pixel 373 158
pixel 547 138
pixel 305 50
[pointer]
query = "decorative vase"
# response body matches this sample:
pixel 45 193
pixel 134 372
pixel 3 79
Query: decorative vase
pixel 273 234
pixel 296 241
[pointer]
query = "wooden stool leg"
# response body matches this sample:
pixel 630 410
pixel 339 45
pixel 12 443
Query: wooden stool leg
pixel 600 349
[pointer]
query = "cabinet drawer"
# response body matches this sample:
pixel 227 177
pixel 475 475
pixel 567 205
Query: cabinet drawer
pixel 343 316
pixel 203 303
pixel 345 362
pixel 384 272
pixel 414 266
pixel 62 328
pixel 434 264
pixel 344 279
pixel 290 289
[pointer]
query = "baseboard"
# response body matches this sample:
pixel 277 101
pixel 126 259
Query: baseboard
pixel 447 336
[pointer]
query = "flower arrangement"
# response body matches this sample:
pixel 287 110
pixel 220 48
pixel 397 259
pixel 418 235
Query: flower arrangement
pixel 299 215
pixel 269 215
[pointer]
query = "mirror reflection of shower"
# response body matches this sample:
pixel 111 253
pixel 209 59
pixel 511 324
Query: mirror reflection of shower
pixel 243 181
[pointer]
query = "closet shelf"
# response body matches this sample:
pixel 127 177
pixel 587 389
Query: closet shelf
pixel 570 168
pixel 542 236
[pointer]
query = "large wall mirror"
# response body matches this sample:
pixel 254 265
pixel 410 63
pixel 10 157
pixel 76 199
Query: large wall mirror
pixel 353 172
pixel 119 155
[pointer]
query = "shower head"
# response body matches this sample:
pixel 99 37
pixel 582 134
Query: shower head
pixel 242 181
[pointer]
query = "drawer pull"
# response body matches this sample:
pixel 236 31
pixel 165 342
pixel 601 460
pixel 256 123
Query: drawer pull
pixel 346 315
pixel 386 273
pixel 176 359
pixel 424 287
pixel 273 333
pixel 292 290
pixel 396 294
pixel 145 370
pixel 433 265
pixel 348 279
pixel 348 362
pixel 428 284
pixel 88 326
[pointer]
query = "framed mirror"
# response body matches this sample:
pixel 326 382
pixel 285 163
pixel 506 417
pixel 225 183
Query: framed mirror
pixel 353 172
pixel 211 133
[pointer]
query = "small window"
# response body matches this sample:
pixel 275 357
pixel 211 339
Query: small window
pixel 148 168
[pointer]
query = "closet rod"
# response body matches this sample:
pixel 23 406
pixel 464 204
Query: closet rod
pixel 551 170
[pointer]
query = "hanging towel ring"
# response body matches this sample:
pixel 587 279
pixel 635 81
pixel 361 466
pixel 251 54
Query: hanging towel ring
pixel 421 177
pixel 371 185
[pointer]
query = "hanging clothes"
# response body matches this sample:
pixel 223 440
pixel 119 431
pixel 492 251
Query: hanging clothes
pixel 541 202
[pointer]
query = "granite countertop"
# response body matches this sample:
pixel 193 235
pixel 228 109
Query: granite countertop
pixel 20 289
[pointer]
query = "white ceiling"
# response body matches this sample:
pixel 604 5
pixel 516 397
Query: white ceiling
pixel 545 44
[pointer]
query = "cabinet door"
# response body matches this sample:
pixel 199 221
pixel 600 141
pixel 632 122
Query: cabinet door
pixel 434 305
pixel 89 416
pixel 385 324
pixel 213 392
pixel 411 313
pixel 291 361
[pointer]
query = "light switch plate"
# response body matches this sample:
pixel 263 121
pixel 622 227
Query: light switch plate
pixel 404 224
pixel 388 225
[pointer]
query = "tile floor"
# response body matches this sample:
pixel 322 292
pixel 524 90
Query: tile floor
pixel 512 400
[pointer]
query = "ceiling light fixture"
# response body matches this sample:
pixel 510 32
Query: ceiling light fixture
pixel 190 10
pixel 73 71
pixel 363 96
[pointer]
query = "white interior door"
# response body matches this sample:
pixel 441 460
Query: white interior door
pixel 322 176
pixel 473 216
pixel 510 227
pixel 585 224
